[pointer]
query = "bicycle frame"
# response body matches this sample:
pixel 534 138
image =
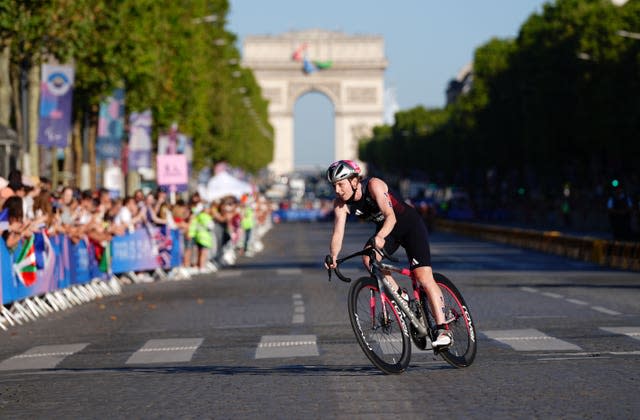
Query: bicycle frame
pixel 386 286
pixel 377 270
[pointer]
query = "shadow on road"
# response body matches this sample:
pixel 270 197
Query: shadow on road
pixel 297 370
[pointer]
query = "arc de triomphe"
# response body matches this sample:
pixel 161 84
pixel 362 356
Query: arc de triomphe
pixel 348 69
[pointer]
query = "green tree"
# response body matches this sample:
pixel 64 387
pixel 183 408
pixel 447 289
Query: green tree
pixel 167 56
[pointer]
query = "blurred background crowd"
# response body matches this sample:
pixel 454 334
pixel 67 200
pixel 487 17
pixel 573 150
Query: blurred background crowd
pixel 214 233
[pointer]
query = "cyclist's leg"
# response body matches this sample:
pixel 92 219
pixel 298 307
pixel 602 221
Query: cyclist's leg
pixel 424 275
pixel 416 242
pixel 443 337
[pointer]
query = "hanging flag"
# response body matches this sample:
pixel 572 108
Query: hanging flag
pixel 56 95
pixel 307 66
pixel 323 65
pixel 25 263
pixel 297 54
pixel 140 140
pixel 105 259
pixel 111 127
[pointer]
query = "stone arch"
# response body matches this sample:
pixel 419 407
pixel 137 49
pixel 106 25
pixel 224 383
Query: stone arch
pixel 298 90
pixel 354 83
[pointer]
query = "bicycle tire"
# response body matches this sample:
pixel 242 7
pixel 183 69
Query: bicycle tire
pixel 385 343
pixel 462 351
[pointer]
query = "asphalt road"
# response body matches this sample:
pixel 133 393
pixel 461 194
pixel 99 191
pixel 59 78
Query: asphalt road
pixel 270 338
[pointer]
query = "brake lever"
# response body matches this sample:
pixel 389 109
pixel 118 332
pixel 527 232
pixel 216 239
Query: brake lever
pixel 381 251
pixel 328 261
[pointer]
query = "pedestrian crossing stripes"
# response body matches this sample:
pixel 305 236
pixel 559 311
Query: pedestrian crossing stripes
pixel 275 346
pixel 172 350
pixel 528 340
pixel 181 350
pixel 41 357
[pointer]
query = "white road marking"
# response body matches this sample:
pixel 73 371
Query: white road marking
pixel 529 340
pixel 41 357
pixel 570 300
pixel 298 309
pixel 633 332
pixel 282 346
pixel 169 350
pixel 549 359
pixel 605 310
pixel 578 302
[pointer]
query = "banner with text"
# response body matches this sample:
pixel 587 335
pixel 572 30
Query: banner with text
pixel 56 93
pixel 111 127
pixel 177 143
pixel 43 264
pixel 139 155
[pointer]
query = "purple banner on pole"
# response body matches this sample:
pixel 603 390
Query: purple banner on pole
pixel 111 127
pixel 56 95
pixel 140 140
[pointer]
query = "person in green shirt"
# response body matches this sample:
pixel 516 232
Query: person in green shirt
pixel 247 223
pixel 200 230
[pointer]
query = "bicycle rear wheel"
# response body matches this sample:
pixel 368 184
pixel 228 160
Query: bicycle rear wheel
pixel 462 351
pixel 384 339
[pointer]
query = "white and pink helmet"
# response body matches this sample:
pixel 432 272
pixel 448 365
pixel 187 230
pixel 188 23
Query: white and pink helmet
pixel 342 169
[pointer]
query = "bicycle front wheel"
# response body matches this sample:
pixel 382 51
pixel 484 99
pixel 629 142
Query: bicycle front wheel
pixel 380 329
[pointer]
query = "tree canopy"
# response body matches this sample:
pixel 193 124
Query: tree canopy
pixel 175 58
pixel 565 93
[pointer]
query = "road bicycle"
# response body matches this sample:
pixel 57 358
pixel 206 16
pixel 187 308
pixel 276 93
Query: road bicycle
pixel 385 323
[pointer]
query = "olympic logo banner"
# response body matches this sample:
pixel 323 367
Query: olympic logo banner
pixel 56 95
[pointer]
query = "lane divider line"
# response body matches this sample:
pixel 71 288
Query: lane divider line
pixel 298 309
pixel 570 300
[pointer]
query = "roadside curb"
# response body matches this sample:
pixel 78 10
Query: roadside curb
pixel 615 254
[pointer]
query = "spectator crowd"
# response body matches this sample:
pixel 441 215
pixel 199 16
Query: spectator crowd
pixel 214 233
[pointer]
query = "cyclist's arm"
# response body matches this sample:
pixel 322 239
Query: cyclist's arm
pixel 340 211
pixel 380 192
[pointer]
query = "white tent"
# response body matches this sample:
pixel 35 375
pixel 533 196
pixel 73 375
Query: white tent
pixel 224 184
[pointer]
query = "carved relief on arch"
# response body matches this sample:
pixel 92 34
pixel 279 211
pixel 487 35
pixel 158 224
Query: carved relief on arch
pixel 362 95
pixel 331 89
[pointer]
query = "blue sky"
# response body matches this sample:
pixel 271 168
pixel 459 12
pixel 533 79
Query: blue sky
pixel 426 42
